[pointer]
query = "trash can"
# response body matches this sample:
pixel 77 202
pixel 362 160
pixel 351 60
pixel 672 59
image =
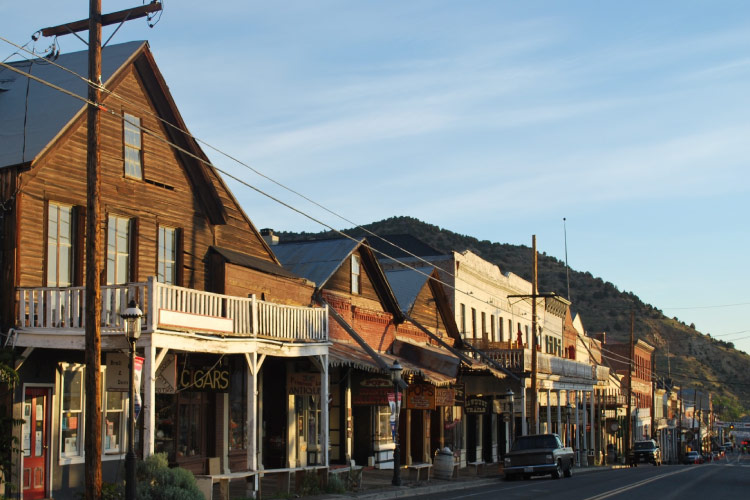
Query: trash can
pixel 442 465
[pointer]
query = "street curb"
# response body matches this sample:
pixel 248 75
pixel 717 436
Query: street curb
pixel 409 491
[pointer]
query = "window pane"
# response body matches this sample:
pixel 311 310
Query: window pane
pixel 51 264
pixel 115 401
pixel 72 380
pixel 64 272
pixel 112 432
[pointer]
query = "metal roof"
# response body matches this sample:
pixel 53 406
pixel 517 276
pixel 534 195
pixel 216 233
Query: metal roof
pixel 33 114
pixel 407 283
pixel 315 260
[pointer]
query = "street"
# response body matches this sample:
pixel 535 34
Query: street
pixel 727 478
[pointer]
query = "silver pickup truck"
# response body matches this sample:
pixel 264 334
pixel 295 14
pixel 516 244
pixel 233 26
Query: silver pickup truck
pixel 537 455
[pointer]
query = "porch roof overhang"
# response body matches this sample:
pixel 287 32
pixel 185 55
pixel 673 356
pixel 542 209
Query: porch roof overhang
pixel 352 355
pixel 177 341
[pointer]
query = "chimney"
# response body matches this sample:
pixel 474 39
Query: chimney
pixel 270 238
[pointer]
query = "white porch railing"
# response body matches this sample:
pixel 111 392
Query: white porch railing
pixel 48 309
pixel 519 360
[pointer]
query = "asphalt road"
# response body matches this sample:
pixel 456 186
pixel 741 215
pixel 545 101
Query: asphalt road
pixel 728 478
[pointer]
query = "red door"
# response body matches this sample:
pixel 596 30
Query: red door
pixel 35 442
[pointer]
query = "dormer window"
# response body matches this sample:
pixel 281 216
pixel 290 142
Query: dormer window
pixel 132 141
pixel 356 270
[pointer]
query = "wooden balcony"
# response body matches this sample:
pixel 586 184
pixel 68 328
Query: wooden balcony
pixel 517 358
pixel 170 308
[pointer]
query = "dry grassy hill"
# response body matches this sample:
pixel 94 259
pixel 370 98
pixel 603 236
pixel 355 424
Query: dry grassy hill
pixel 692 359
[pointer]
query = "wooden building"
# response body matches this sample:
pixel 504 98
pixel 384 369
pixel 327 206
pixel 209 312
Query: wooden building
pixel 225 325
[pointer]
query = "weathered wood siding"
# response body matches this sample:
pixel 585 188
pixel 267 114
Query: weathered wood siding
pixel 241 282
pixel 8 214
pixel 165 196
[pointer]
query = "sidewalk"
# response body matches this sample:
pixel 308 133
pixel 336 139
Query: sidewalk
pixel 376 484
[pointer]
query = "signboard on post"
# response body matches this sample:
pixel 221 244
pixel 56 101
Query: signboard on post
pixel 420 397
pixel 303 384
pixel 444 396
pixel 476 406
pixel 371 391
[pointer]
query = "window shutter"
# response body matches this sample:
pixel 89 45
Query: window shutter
pixel 179 263
pixel 79 245
pixel 133 250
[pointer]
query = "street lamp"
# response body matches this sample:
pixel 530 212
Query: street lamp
pixel 132 317
pixel 509 397
pixel 396 370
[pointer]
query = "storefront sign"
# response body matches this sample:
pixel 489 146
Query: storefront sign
pixel 444 396
pixel 118 372
pixel 303 384
pixel 166 375
pixel 372 391
pixel 459 390
pixel 476 406
pixel 204 379
pixel 420 397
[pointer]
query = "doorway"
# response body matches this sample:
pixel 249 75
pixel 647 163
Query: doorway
pixel 35 442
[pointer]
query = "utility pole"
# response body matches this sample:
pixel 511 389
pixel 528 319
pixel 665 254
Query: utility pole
pixel 534 290
pixel 93 437
pixel 629 434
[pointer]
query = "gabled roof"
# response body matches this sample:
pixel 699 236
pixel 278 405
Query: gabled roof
pixel 315 260
pixel 318 260
pixel 33 116
pixel 250 262
pixel 407 283
pixel 47 111
pixel 392 245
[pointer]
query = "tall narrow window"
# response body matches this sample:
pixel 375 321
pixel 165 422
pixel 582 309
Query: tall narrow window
pixel 500 329
pixel 59 245
pixel 71 408
pixel 492 328
pixel 473 323
pixel 118 250
pixel 484 325
pixel 463 320
pixel 356 270
pixel 132 141
pixel 167 269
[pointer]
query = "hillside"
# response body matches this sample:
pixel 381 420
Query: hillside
pixel 694 360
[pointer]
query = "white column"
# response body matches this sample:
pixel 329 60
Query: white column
pixel 149 399
pixel 524 426
pixel 549 410
pixel 585 447
pixel 559 414
pixel 593 423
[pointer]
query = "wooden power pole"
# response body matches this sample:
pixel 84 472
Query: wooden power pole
pixel 534 291
pixel 629 434
pixel 93 437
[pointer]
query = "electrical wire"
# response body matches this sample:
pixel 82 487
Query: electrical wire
pixel 237 179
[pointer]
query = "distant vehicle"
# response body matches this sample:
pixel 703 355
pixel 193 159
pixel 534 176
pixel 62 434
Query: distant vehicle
pixel 537 455
pixel 692 457
pixel 646 451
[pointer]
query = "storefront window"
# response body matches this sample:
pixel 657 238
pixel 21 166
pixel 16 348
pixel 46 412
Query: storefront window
pixel 383 432
pixel 190 424
pixel 113 419
pixel 164 438
pixel 237 411
pixel 71 433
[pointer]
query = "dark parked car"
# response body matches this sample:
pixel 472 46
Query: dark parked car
pixel 692 457
pixel 646 451
pixel 537 455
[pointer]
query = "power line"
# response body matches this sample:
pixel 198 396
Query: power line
pixel 257 172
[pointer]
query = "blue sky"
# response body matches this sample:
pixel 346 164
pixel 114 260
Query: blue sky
pixel 494 119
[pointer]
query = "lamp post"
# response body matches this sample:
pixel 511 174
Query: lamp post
pixel 396 378
pixel 509 397
pixel 132 316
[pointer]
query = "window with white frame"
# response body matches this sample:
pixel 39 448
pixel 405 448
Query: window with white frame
pixel 118 250
pixel 72 413
pixel 167 249
pixel 356 270
pixel 71 408
pixel 113 418
pixel 59 245
pixel 383 432
pixel 132 143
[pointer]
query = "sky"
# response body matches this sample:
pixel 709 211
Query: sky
pixel 494 119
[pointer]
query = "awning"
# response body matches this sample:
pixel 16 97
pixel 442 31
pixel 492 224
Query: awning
pixel 352 355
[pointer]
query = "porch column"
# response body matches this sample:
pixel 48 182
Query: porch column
pixel 549 410
pixel 324 408
pixel 585 448
pixel 524 426
pixel 149 399
pixel 593 425
pixel 406 460
pixel 578 429
pixel 559 413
